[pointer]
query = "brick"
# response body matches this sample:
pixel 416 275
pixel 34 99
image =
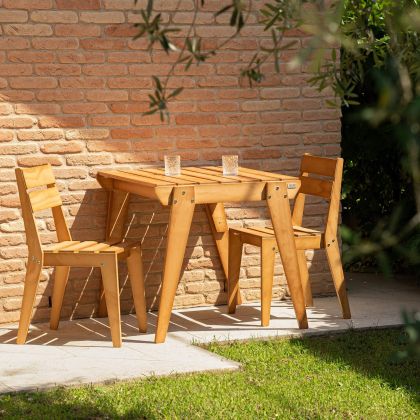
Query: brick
pixel 36 109
pixel 33 82
pixel 119 4
pixel 102 17
pixel 6 135
pixel 53 16
pixel 89 160
pixel 78 4
pixel 60 95
pixel 17 149
pixel 29 135
pixel 103 44
pixel 27 30
pixel 108 146
pixel 123 133
pixel 55 43
pixel 260 105
pixel 196 119
pixel 82 82
pixel 13 16
pixel 129 57
pixel 129 108
pixel 110 120
pixel 13 43
pixel 135 157
pixel 63 122
pixel 80 57
pixel 87 134
pixel 38 160
pixel 130 82
pixel 121 30
pixel 62 148
pixel 58 69
pixel 15 69
pixel 30 56
pixel 17 122
pixel 77 30
pixel 107 95
pixel 85 108
pixel 27 4
pixel 105 70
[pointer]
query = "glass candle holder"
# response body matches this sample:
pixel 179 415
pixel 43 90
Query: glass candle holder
pixel 230 165
pixel 172 165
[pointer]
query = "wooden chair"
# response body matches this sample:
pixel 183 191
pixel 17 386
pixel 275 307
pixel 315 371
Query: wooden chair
pixel 319 177
pixel 38 191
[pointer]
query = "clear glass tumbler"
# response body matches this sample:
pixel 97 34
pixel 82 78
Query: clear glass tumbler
pixel 230 165
pixel 172 165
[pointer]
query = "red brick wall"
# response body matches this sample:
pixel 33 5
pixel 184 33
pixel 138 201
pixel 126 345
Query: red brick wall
pixel 73 85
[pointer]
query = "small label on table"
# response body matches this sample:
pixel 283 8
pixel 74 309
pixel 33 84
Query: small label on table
pixel 291 186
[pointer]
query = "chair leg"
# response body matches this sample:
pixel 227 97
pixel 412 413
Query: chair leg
pixel 109 271
pixel 29 292
pixel 135 271
pixel 60 282
pixel 304 277
pixel 267 273
pixel 234 267
pixel 334 261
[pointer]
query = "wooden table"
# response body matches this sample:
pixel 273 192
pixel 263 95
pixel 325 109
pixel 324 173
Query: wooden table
pixel 204 185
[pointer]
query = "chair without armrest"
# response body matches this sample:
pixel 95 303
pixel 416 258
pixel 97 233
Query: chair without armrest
pixel 325 184
pixel 37 192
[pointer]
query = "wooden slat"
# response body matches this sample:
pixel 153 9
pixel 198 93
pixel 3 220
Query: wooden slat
pixel 211 175
pixel 318 165
pixel 261 229
pixel 176 178
pixel 38 176
pixel 306 230
pixel 255 231
pixel 78 247
pixel 219 170
pixel 149 173
pixel 56 247
pixel 96 248
pixel 317 187
pixel 145 178
pixel 261 175
pixel 45 199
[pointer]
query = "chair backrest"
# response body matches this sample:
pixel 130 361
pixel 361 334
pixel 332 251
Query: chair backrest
pixel 38 191
pixel 320 177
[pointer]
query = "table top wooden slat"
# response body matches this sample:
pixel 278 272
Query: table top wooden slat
pixel 193 176
pixel 182 176
pixel 161 178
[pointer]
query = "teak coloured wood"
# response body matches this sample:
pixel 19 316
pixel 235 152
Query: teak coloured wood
pixel 304 238
pixel 208 186
pixel 67 253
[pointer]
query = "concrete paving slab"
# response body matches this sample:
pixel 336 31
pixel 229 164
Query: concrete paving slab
pixel 81 352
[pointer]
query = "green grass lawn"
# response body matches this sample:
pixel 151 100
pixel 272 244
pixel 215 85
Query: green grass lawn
pixel 350 375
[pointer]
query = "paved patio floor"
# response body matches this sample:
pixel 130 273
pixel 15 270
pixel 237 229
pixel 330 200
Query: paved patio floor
pixel 80 351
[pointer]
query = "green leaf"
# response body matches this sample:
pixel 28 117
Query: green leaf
pixel 176 92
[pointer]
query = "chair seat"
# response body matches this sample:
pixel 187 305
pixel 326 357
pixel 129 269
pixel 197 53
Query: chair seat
pixel 88 247
pixel 305 238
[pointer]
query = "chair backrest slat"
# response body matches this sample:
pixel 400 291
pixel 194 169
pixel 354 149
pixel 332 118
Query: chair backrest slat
pixel 313 167
pixel 40 199
pixel 38 176
pixel 317 165
pixel 318 187
pixel 45 199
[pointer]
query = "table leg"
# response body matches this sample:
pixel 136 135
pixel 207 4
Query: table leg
pixel 116 218
pixel 180 219
pixel 219 228
pixel 278 204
